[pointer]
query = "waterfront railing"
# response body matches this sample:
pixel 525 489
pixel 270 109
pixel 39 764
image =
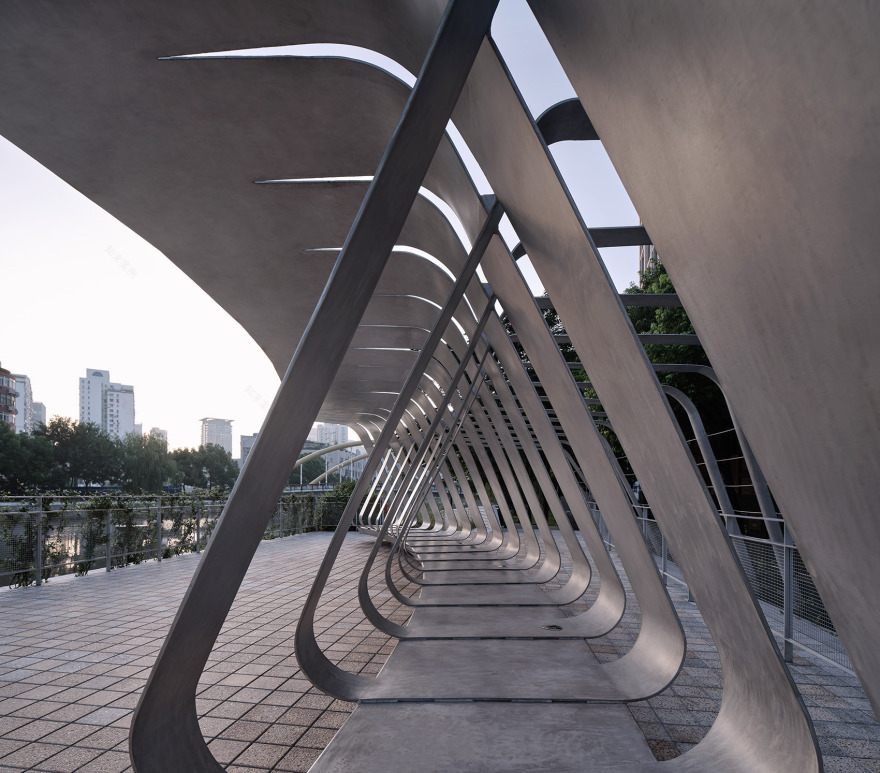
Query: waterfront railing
pixel 47 536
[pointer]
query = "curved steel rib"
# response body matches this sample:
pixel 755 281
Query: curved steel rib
pixel 165 734
pixel 758 688
pixel 312 660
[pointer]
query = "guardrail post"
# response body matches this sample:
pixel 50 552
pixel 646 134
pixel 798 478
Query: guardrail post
pixel 664 559
pixel 38 550
pixel 198 516
pixel 159 530
pixel 108 552
pixel 787 600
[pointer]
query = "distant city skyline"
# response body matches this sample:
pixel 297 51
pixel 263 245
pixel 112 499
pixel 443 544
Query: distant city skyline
pixel 93 407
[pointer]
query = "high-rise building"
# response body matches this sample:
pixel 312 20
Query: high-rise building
pixel 107 404
pixel 39 414
pixel 91 397
pixel 24 419
pixel 331 434
pixel 648 258
pixel 8 394
pixel 162 434
pixel 218 432
pixel 247 443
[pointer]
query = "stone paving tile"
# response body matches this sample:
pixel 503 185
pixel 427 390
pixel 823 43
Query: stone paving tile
pixel 108 762
pixel 848 732
pixel 69 760
pixel 74 657
pixel 262 755
pixel 298 760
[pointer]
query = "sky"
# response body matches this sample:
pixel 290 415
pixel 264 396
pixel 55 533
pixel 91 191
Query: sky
pixel 83 291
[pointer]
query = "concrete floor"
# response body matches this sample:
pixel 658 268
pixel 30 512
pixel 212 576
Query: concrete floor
pixel 75 654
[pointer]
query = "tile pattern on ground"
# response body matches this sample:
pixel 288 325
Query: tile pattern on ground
pixel 75 655
pixel 678 718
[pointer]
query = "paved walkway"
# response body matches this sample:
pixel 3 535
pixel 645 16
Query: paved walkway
pixel 75 654
pixel 679 717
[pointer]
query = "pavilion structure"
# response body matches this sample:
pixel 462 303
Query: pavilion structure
pixel 322 202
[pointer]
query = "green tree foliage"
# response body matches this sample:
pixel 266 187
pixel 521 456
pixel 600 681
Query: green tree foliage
pixel 344 490
pixel 190 468
pixel 332 507
pixel 59 433
pixel 84 451
pixel 221 469
pixel 310 470
pixel 27 462
pixel 96 457
pixel 205 467
pixel 66 453
pixel 146 465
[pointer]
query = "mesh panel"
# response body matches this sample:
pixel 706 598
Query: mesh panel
pixel 763 562
pixel 18 531
pixel 71 535
pixel 811 625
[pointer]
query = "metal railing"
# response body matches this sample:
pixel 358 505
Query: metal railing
pixel 779 580
pixel 48 536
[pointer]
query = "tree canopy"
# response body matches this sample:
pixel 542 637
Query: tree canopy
pixel 27 461
pixel 67 454
pixel 146 464
pixel 205 466
pixel 310 470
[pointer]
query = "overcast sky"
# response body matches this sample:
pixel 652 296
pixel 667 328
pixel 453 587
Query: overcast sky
pixel 83 291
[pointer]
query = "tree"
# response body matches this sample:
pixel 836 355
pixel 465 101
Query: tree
pixel 84 451
pixel 344 490
pixel 332 507
pixel 310 470
pixel 219 466
pixel 96 458
pixel 43 471
pixel 60 433
pixel 146 464
pixel 190 467
pixel 26 462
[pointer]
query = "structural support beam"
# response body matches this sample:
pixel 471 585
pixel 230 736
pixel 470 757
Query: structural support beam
pixel 165 735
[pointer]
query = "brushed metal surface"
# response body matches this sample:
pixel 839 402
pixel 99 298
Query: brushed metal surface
pixel 789 209
pixel 694 105
pixel 757 683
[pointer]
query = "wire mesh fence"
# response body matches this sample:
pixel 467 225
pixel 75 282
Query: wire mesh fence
pixel 779 580
pixel 44 537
